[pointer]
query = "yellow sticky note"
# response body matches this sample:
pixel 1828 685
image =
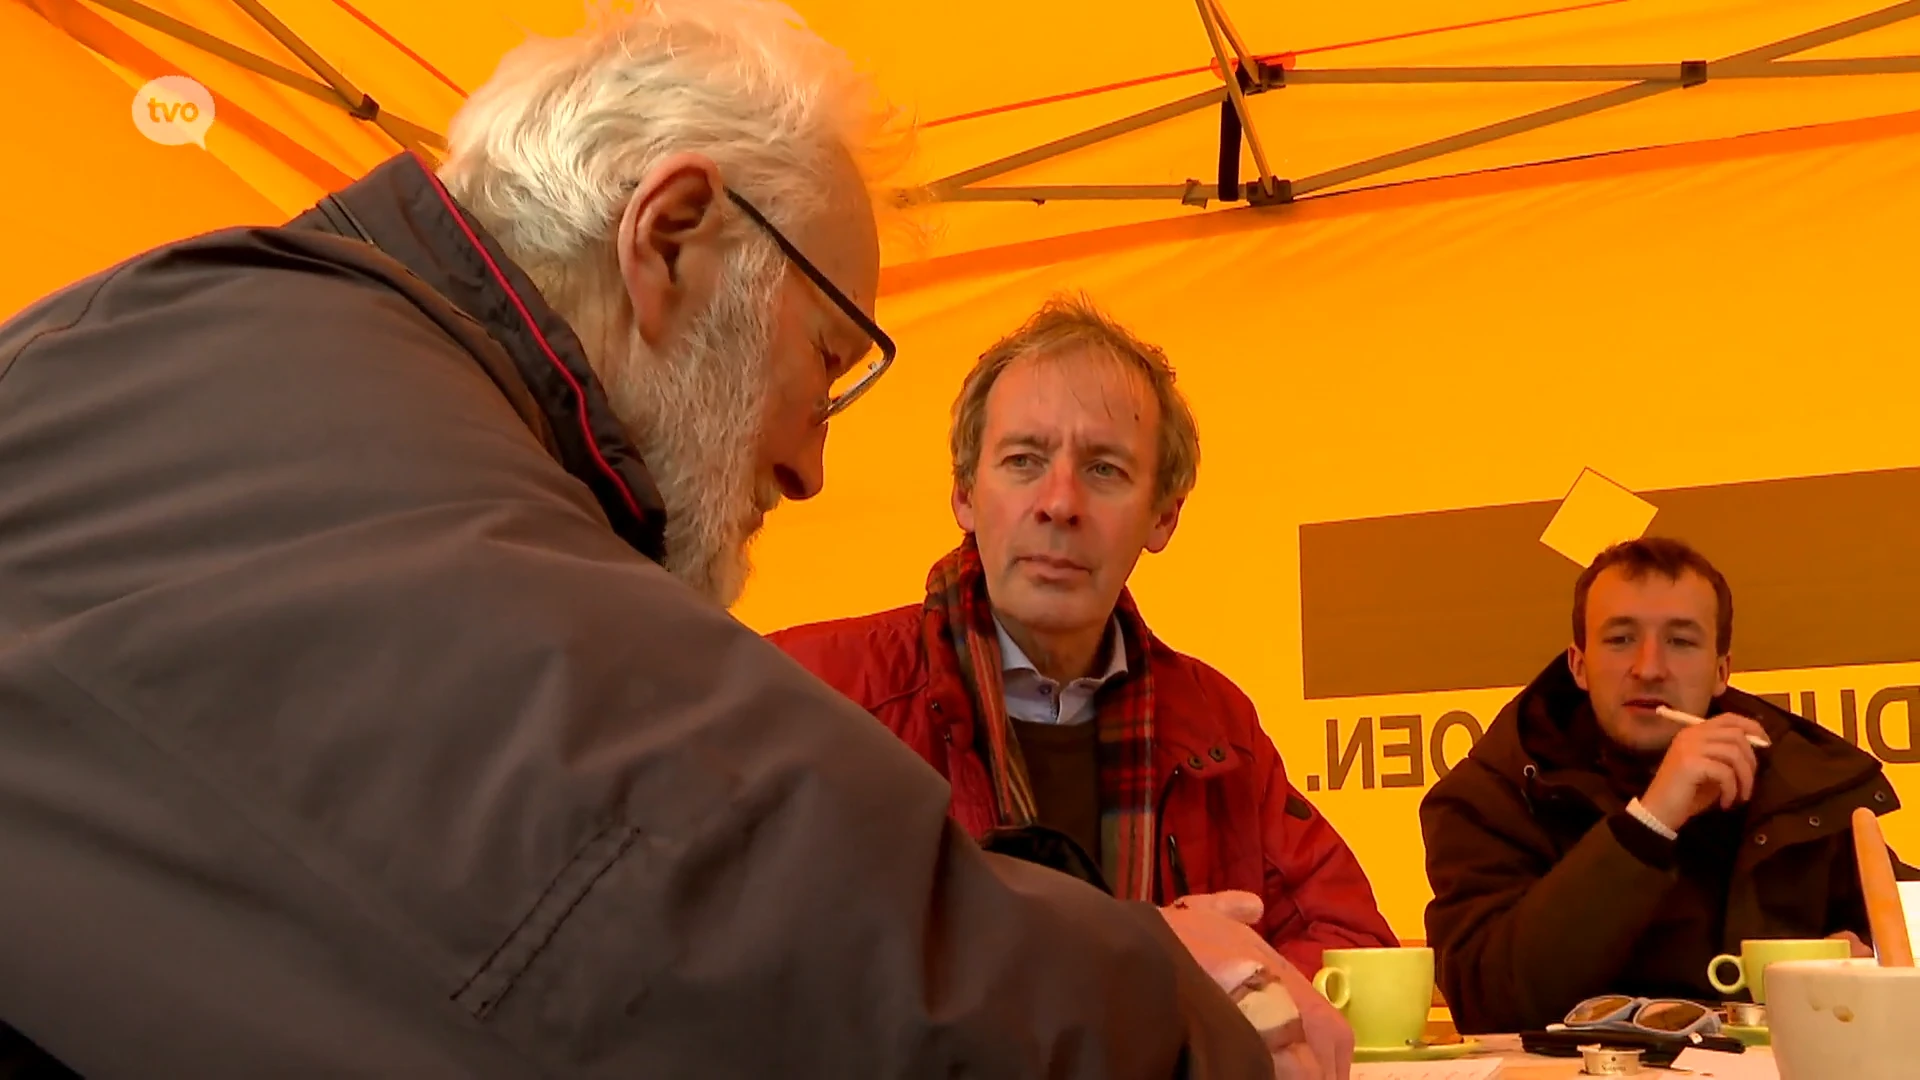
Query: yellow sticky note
pixel 1594 516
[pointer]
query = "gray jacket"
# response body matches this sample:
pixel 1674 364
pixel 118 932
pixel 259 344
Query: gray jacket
pixel 348 725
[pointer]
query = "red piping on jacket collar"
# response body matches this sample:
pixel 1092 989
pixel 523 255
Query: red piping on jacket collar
pixel 579 393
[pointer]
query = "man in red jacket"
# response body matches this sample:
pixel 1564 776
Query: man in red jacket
pixel 1029 680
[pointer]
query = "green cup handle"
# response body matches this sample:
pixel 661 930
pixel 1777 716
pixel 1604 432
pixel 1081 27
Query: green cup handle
pixel 1327 977
pixel 1713 974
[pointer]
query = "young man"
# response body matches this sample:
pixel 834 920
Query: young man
pixel 1029 679
pixel 1589 846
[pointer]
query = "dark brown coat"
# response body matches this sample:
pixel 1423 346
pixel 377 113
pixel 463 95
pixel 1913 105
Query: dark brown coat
pixel 1546 891
pixel 348 725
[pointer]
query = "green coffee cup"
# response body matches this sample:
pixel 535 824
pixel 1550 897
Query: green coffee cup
pixel 1755 955
pixel 1385 994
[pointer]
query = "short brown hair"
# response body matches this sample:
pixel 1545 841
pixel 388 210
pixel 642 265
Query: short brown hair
pixel 1670 559
pixel 1072 320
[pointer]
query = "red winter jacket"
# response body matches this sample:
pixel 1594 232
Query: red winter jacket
pixel 1224 799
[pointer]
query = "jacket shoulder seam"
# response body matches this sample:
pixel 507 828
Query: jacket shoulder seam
pixel 6 368
pixel 529 938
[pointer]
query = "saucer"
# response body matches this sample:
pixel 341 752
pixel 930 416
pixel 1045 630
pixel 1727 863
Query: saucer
pixel 1422 1052
pixel 1751 1036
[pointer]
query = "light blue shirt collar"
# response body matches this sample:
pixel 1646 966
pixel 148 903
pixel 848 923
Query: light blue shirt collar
pixel 1033 697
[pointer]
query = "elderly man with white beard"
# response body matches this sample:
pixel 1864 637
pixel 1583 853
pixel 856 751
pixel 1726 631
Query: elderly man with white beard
pixel 370 702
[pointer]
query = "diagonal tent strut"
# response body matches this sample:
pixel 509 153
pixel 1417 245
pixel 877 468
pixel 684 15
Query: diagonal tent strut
pixel 1248 62
pixel 1646 80
pixel 1751 58
pixel 953 185
pixel 94 32
pixel 1209 20
pixel 405 132
pixel 359 105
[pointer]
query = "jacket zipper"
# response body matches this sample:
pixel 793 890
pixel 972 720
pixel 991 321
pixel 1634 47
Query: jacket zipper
pixel 1176 878
pixel 946 734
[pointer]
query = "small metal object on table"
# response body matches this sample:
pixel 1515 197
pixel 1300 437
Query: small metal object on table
pixel 1610 1061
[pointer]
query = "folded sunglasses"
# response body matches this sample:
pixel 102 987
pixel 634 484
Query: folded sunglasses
pixel 1664 1016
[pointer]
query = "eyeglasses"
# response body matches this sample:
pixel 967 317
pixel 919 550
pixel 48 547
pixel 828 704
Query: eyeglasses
pixel 1666 1016
pixel 850 384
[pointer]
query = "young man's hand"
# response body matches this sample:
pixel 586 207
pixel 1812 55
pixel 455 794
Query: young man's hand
pixel 1705 764
pixel 1861 949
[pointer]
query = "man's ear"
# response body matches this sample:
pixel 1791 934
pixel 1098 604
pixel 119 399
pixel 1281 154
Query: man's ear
pixel 962 507
pixel 668 243
pixel 1722 672
pixel 1162 532
pixel 1577 664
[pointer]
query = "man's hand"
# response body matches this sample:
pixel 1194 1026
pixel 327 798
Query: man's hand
pixel 1860 948
pixel 1217 929
pixel 1705 764
pixel 1328 1032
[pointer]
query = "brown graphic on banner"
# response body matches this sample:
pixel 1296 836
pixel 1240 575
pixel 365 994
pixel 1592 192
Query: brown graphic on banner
pixel 1825 572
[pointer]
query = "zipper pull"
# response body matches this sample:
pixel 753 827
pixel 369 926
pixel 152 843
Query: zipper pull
pixel 1174 867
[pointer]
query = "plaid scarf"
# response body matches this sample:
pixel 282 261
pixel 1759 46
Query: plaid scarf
pixel 959 618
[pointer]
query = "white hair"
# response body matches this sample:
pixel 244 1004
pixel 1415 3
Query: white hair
pixel 694 413
pixel 545 154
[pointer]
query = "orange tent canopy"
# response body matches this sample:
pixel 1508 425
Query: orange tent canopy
pixel 1011 78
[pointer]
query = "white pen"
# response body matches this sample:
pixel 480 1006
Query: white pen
pixel 1691 720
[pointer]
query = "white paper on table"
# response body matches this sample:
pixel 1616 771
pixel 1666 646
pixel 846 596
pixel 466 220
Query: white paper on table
pixel 1458 1069
pixel 1719 1066
pixel 1910 907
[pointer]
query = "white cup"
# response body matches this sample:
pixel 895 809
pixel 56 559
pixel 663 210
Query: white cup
pixel 1843 1019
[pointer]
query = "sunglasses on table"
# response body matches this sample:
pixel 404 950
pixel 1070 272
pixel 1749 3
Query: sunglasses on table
pixel 1661 1016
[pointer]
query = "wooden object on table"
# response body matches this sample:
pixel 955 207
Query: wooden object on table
pixel 1886 918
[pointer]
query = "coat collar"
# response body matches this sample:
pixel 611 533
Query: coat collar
pixel 402 209
pixel 1189 732
pixel 1529 744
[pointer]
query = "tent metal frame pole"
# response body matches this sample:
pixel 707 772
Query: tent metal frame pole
pixel 1479 136
pixel 1750 59
pixel 944 186
pixel 1826 35
pixel 1193 192
pixel 1239 99
pixel 1646 80
pixel 1249 63
pixel 1823 69
pixel 360 105
pixel 171 27
pixel 1564 73
pixel 1763 62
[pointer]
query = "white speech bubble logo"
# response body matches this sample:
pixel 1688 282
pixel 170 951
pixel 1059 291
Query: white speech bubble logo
pixel 174 110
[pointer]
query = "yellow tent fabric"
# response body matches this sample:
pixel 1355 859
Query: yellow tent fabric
pixel 80 195
pixel 1699 288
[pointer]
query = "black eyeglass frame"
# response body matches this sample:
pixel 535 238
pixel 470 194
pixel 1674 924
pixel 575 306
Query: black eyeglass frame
pixel 834 405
